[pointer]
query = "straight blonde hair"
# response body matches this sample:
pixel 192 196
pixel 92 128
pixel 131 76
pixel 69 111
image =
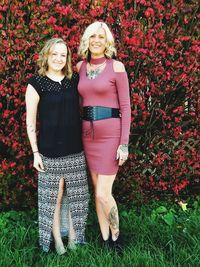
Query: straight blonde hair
pixel 43 58
pixel 83 50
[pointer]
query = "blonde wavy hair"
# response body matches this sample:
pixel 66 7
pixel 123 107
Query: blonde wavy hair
pixel 83 50
pixel 43 58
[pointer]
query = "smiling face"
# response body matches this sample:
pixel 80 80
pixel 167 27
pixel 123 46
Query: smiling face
pixel 97 43
pixel 57 57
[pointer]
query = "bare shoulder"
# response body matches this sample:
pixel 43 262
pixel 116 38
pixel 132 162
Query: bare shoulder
pixel 118 66
pixel 78 65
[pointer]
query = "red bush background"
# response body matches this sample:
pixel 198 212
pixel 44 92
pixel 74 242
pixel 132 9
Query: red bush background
pixel 157 42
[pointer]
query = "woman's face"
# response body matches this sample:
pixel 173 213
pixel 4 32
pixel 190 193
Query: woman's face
pixel 57 57
pixel 97 43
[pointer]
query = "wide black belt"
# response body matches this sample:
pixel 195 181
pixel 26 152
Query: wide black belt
pixel 99 113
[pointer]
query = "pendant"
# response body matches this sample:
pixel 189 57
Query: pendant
pixel 92 74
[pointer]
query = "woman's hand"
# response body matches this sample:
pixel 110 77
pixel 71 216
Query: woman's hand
pixel 37 163
pixel 122 153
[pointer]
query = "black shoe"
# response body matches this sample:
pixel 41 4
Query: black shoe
pixel 118 244
pixel 104 243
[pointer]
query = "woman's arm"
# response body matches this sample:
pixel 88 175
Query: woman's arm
pixel 78 66
pixel 124 104
pixel 32 99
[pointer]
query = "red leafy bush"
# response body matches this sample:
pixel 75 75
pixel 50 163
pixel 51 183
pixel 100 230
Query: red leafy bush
pixel 158 43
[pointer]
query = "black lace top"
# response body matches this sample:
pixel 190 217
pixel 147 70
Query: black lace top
pixel 59 118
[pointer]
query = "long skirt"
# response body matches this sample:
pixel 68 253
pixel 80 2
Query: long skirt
pixel 75 197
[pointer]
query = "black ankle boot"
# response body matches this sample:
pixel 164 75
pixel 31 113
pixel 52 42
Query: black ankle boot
pixel 105 243
pixel 118 244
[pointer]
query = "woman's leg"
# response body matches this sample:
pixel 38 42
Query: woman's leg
pixel 56 222
pixel 105 198
pixel 107 210
pixel 103 221
pixel 72 234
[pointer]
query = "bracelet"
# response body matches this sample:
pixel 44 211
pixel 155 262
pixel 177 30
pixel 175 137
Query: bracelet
pixel 124 148
pixel 124 145
pixel 35 151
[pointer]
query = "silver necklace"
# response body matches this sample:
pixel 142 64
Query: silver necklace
pixel 93 73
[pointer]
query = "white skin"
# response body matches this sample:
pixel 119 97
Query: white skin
pixel 56 61
pixel 106 207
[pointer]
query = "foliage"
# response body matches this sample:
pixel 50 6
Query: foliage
pixel 158 43
pixel 149 241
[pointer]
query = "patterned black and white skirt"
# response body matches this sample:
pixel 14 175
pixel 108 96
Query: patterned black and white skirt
pixel 75 197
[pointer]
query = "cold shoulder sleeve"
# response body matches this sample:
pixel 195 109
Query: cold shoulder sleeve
pixel 124 104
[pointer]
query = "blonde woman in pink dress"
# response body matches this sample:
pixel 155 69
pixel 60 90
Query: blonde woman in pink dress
pixel 104 89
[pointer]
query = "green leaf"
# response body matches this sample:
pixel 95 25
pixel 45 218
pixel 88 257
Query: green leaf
pixel 168 218
pixel 124 214
pixel 161 209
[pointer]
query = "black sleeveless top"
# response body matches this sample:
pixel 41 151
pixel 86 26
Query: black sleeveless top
pixel 59 117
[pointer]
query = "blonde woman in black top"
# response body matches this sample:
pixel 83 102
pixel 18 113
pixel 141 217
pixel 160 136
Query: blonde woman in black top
pixel 58 152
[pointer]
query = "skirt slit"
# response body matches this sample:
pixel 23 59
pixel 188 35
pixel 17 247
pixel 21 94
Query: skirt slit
pixel 75 197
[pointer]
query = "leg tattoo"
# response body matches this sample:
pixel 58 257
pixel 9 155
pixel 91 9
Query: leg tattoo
pixel 117 234
pixel 113 219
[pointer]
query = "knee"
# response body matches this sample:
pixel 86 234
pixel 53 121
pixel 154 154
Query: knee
pixel 102 198
pixel 60 191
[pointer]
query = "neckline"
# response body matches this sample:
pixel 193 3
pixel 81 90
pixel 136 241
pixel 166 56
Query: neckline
pixel 54 80
pixel 97 61
pixel 106 66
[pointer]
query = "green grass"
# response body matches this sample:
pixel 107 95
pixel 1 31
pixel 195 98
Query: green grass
pixel 157 235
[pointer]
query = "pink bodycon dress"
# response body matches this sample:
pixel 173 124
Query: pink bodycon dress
pixel 108 89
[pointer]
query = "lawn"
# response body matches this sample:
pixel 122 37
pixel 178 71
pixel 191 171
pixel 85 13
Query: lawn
pixel 160 234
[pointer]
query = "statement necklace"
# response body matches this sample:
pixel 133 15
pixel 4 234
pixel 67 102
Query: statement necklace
pixel 92 73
